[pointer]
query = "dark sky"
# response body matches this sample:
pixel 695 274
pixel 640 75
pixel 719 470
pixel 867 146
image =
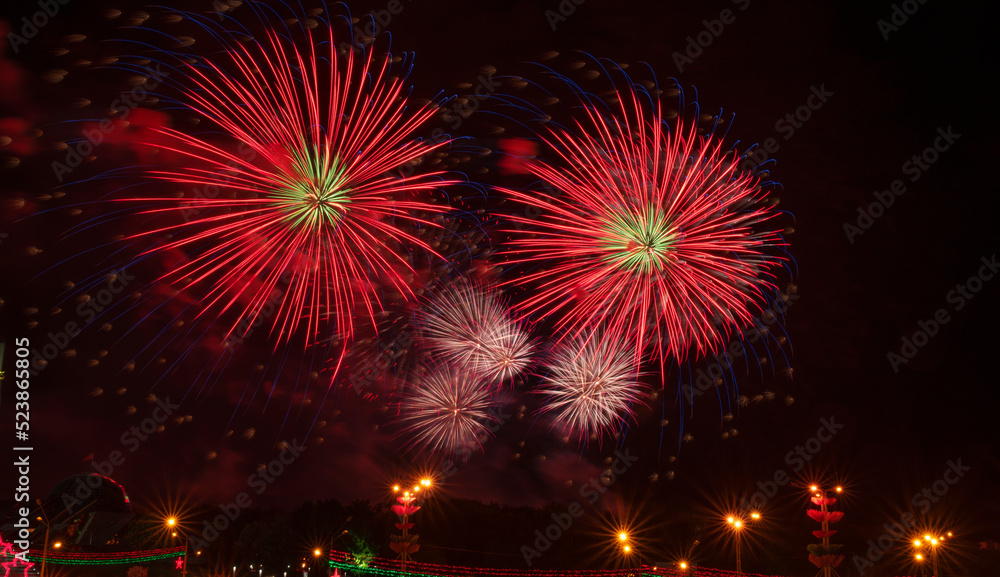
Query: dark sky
pixel 887 95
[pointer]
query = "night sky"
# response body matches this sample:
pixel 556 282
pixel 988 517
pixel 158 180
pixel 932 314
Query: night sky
pixel 872 102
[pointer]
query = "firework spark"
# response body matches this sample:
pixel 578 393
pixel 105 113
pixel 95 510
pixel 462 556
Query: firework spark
pixel 649 230
pixel 447 410
pixel 312 211
pixel 592 386
pixel 472 328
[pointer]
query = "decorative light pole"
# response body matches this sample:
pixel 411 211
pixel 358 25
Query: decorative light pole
pixel 406 544
pixel 824 554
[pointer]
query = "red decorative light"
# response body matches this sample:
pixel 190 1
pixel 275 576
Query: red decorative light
pixel 7 550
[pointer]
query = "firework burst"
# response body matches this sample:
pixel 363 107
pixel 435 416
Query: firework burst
pixel 471 327
pixel 648 229
pixel 592 386
pixel 447 410
pixel 312 209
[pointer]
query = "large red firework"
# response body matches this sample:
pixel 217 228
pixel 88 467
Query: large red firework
pixel 310 214
pixel 646 228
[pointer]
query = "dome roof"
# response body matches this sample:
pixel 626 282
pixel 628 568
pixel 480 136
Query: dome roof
pixel 86 492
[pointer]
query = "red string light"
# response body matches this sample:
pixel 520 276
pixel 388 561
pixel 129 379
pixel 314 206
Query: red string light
pixel 104 558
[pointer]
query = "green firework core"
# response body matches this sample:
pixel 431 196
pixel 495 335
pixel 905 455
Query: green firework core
pixel 313 189
pixel 639 239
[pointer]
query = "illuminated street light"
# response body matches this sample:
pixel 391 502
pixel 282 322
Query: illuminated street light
pixel 407 544
pixel 172 523
pixel 826 560
pixel 737 525
pixel 930 544
pixel 45 551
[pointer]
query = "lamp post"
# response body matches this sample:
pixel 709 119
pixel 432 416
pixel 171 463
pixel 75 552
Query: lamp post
pixel 738 525
pixel 929 544
pixel 318 552
pixel 406 544
pixel 45 549
pixel 824 555
pixel 627 549
pixel 172 524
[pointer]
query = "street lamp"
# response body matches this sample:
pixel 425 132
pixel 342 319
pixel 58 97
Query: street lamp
pixel 931 543
pixel 737 525
pixel 45 550
pixel 405 543
pixel 627 546
pixel 172 524
pixel 824 554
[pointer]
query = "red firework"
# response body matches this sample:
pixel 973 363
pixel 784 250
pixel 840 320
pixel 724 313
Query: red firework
pixel 311 213
pixel 648 230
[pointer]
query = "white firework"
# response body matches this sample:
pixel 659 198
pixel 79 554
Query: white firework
pixel 447 410
pixel 472 328
pixel 592 385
